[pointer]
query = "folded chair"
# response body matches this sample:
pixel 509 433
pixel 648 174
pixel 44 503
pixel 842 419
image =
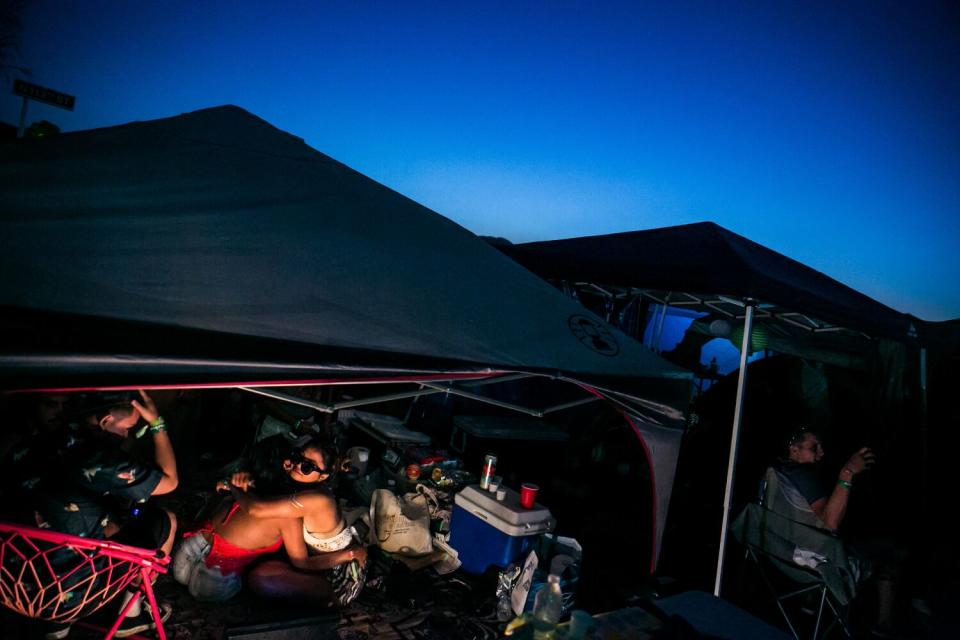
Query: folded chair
pixel 61 578
pixel 806 559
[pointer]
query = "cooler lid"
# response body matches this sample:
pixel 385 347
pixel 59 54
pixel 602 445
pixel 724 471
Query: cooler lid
pixel 473 498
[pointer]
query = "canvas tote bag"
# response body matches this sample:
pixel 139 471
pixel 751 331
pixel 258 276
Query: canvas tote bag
pixel 402 525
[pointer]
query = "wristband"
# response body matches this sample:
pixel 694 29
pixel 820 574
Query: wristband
pixel 843 483
pixel 158 425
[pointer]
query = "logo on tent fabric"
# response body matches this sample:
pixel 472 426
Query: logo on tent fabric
pixel 594 335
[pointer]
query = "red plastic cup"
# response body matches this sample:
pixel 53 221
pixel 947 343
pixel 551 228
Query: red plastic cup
pixel 528 494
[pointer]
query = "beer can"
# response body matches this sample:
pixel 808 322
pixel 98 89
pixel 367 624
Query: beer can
pixel 489 469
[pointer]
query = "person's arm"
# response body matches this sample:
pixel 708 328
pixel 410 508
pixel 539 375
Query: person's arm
pixel 243 480
pixel 291 531
pixel 324 561
pixel 833 508
pixel 162 447
pixel 292 506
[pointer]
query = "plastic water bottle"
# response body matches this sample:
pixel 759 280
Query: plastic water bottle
pixel 547 607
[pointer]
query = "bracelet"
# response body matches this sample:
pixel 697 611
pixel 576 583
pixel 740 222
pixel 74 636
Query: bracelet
pixel 843 483
pixel 158 425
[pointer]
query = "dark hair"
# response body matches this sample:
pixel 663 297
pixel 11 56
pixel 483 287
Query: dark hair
pixel 99 405
pixel 328 453
pixel 266 460
pixel 796 437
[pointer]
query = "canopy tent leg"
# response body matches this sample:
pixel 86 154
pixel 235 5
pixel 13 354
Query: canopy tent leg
pixel 734 440
pixel 924 434
pixel 661 318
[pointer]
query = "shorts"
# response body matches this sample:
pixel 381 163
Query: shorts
pixel 149 530
pixel 204 583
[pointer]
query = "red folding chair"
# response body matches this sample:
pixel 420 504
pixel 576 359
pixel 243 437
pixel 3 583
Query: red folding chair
pixel 62 578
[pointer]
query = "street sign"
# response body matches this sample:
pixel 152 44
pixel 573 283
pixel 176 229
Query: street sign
pixel 42 94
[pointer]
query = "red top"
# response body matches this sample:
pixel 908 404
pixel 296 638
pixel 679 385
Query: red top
pixel 229 557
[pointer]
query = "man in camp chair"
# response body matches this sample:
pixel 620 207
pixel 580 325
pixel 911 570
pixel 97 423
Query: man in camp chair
pixel 822 506
pixel 799 518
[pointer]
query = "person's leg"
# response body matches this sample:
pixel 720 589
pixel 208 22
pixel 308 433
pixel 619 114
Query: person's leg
pixel 208 584
pixel 886 601
pixel 167 545
pixel 277 579
pixel 155 528
pixel 192 550
pixel 886 561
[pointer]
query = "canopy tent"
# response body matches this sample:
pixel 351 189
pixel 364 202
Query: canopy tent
pixel 214 249
pixel 707 268
pixel 215 223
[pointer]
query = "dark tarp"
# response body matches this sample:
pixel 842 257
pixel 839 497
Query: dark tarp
pixel 214 247
pixel 706 258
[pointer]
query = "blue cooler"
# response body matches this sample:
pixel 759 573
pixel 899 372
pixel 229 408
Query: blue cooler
pixel 485 531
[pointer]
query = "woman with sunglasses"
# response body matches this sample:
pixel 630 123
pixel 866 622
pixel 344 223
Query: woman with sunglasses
pixel 325 565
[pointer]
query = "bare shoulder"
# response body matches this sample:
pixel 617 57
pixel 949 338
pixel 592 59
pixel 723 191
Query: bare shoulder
pixel 315 499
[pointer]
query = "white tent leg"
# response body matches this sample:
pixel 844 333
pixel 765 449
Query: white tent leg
pixel 734 440
pixel 658 332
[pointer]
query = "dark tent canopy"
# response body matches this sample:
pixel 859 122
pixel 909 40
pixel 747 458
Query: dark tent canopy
pixel 215 248
pixel 708 259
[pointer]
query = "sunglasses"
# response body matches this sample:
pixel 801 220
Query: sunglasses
pixel 309 466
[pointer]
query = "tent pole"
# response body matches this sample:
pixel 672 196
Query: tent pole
pixel 659 327
pixel 924 434
pixel 734 439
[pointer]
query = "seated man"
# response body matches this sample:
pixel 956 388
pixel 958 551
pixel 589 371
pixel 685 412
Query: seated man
pixel 828 506
pixel 804 453
pixel 97 490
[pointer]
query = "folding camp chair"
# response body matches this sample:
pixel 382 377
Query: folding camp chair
pixel 61 578
pixel 805 559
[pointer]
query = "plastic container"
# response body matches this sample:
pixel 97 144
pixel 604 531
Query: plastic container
pixel 486 532
pixel 561 557
pixel 547 608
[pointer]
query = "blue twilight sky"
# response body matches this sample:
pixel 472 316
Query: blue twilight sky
pixel 827 131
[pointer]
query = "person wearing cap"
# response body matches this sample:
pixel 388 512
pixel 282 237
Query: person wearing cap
pixel 98 490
